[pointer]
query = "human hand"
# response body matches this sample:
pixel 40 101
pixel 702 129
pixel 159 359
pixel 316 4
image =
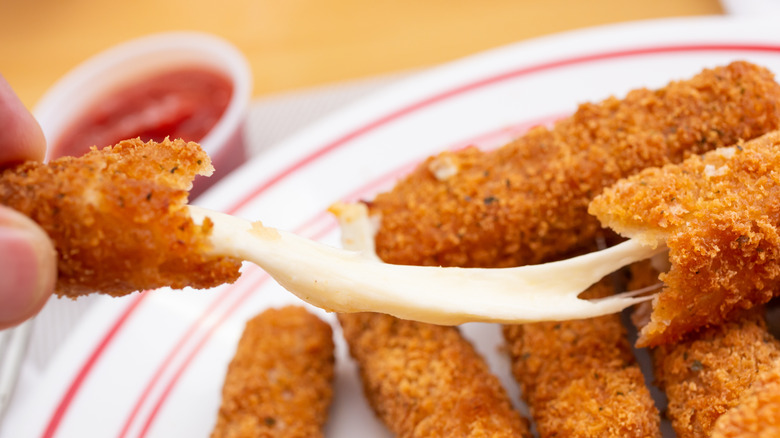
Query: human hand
pixel 28 262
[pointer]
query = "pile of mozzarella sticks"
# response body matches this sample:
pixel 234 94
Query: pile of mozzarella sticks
pixel 527 203
pixel 692 166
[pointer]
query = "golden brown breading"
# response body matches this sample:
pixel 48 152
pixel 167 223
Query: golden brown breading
pixel 707 372
pixel 426 380
pixel 118 217
pixel 580 378
pixel 279 383
pixel 719 215
pixel 758 413
pixel 527 201
pixel 705 375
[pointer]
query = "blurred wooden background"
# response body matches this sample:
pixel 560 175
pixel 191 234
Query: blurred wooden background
pixel 295 44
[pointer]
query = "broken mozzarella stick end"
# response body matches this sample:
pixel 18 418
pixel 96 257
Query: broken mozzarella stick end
pixel 118 218
pixel 718 215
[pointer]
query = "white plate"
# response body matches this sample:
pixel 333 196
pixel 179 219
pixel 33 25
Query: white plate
pixel 152 365
pixel 752 7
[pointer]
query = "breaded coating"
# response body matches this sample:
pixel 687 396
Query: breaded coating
pixel 580 378
pixel 527 202
pixel 758 413
pixel 426 380
pixel 719 215
pixel 279 383
pixel 706 373
pixel 118 217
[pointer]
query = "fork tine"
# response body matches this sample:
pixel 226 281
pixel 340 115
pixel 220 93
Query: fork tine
pixel 5 337
pixel 13 346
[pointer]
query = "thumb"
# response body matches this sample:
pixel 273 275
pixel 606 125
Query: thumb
pixel 28 267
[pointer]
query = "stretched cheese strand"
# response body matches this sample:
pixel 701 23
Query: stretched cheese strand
pixel 451 392
pixel 356 281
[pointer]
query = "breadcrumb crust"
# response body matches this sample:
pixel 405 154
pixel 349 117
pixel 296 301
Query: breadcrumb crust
pixel 720 214
pixel 706 374
pixel 580 378
pixel 279 383
pixel 118 217
pixel 425 380
pixel 527 201
pixel 758 413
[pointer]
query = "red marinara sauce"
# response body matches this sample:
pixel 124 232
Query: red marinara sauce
pixel 184 103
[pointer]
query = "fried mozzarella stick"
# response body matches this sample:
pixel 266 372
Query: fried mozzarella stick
pixel 279 383
pixel 580 378
pixel 758 413
pixel 719 216
pixel 120 223
pixel 522 203
pixel 527 202
pixel 425 380
pixel 118 218
pixel 707 372
pixel 422 380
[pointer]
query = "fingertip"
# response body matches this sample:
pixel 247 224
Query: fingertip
pixel 21 137
pixel 28 269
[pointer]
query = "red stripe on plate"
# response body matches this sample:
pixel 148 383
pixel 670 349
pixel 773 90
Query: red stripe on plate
pixel 490 80
pixel 62 407
pixel 485 141
pixel 75 385
pixel 201 322
pixel 180 370
pixel 326 224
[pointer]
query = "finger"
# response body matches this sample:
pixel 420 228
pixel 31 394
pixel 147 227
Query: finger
pixel 28 268
pixel 21 138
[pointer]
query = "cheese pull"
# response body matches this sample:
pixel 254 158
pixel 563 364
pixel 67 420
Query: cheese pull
pixel 355 280
pixel 719 215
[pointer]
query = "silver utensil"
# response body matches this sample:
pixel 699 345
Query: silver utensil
pixel 13 346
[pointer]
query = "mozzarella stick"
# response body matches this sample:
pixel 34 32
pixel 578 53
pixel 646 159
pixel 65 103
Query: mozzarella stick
pixel 426 380
pixel 580 378
pixel 719 215
pixel 118 218
pixel 527 202
pixel 758 413
pixel 705 374
pixel 279 383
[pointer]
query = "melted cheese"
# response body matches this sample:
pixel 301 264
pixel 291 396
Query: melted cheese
pixel 354 280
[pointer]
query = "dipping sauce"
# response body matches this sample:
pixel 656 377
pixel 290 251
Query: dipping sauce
pixel 183 103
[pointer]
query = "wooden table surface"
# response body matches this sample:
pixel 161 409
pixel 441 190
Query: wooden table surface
pixel 295 44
